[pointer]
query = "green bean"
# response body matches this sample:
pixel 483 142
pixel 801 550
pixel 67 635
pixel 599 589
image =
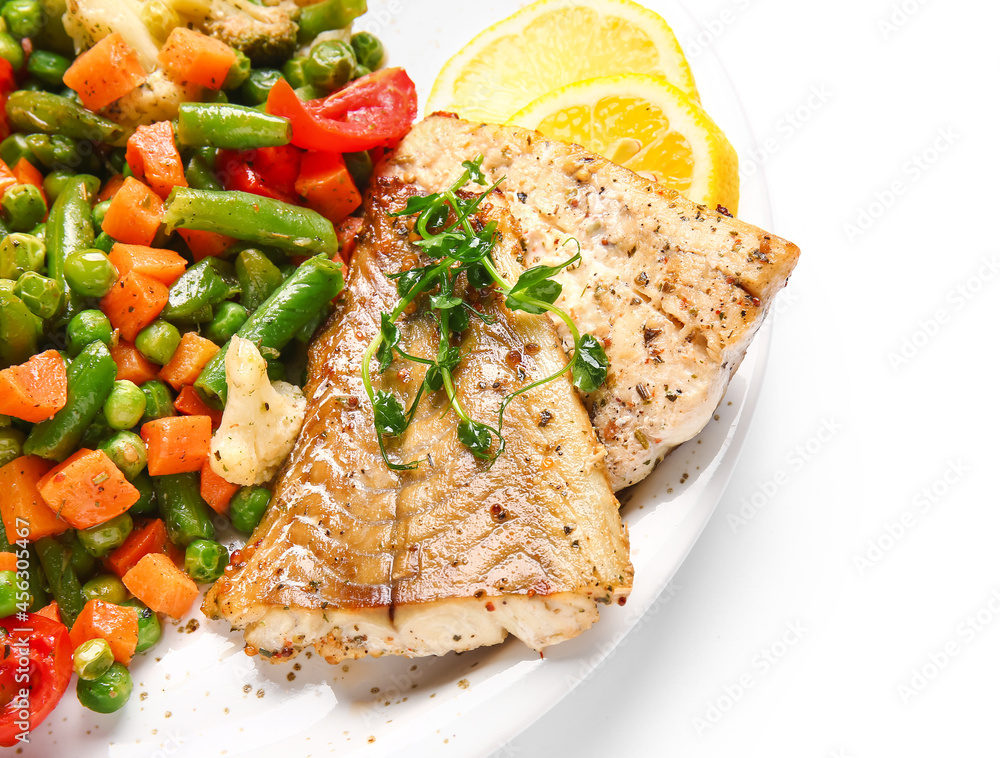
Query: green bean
pixel 45 112
pixel 92 659
pixel 99 212
pixel 106 587
pixel 205 284
pixel 103 242
pixel 20 253
pixel 205 560
pixel 159 402
pixel 89 382
pixel 68 230
pixel 49 68
pixel 11 440
pixel 125 406
pixel 149 625
pixel 97 433
pixel 158 341
pixel 238 72
pixel 275 323
pixel 200 175
pixel 39 293
pixel 109 692
pixel 360 167
pixel 329 64
pixel 24 18
pixel 229 317
pixel 16 147
pixel 186 515
pixel 85 327
pixel 23 207
pixel 18 330
pixel 90 273
pixel 53 35
pixel 247 507
pixel 8 593
pixel 255 219
pixel 55 151
pixel 101 539
pixel 368 49
pixel 63 582
pixel 11 50
pixel 146 504
pixel 258 278
pixel 82 562
pixel 126 449
pixel 229 126
pixel 277 371
pixel 330 14
pixel 255 88
pixel 38 597
pixel 293 72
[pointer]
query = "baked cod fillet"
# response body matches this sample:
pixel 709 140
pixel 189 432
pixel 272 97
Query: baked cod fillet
pixel 356 559
pixel 674 290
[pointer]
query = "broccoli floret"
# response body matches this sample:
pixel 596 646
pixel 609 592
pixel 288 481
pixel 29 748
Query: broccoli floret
pixel 266 34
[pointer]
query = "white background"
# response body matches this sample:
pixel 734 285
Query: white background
pixel 924 273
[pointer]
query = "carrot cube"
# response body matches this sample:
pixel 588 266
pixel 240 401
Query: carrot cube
pixel 34 390
pixel 87 489
pixel 189 403
pixel 117 624
pixel 150 537
pixel 215 490
pixel 164 266
pixel 190 56
pixel 205 244
pixel 133 366
pixel 21 504
pixel 190 357
pixel 176 444
pixel 135 213
pixel 326 186
pixel 134 302
pixel 153 157
pixel 158 583
pixel 106 72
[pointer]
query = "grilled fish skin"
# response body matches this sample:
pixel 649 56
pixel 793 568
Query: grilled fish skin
pixel 357 560
pixel 674 290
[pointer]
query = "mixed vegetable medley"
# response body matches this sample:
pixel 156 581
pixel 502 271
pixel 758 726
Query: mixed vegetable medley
pixel 179 189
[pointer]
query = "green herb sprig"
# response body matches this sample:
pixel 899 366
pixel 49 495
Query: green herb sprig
pixel 458 248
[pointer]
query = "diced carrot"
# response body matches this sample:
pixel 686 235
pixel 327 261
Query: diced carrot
pixel 51 611
pixel 87 489
pixel 164 266
pixel 150 537
pixel 134 302
pixel 8 562
pixel 133 366
pixel 106 72
pixel 347 236
pixel 135 213
pixel 111 186
pixel 189 403
pixel 26 173
pixel 21 504
pixel 117 624
pixel 205 244
pixel 190 56
pixel 34 390
pixel 176 444
pixel 190 357
pixel 215 490
pixel 158 583
pixel 153 157
pixel 7 178
pixel 326 186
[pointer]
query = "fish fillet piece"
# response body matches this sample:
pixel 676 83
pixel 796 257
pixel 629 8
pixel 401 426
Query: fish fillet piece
pixel 674 290
pixel 356 559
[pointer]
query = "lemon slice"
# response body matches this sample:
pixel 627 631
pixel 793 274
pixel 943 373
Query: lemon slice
pixel 645 124
pixel 552 43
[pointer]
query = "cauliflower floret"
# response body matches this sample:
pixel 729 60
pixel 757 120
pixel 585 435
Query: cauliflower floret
pixel 89 21
pixel 261 420
pixel 156 99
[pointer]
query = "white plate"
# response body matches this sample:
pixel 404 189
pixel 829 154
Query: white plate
pixel 199 695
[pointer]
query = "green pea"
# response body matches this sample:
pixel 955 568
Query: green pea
pixel 16 147
pixel 159 401
pixel 247 508
pixel 205 560
pixel 23 207
pixel 158 341
pixel 108 692
pixel 238 72
pixel 99 212
pixel 125 405
pixel 368 50
pixel 294 73
pixel 229 317
pixel 20 253
pixel 258 84
pixel 104 242
pixel 54 181
pixel 102 539
pixel 360 71
pixel 126 449
pixel 48 68
pixel 11 440
pixel 106 587
pixel 82 562
pixel 90 272
pixel 149 625
pixel 86 327
pixel 329 65
pixel 11 50
pixel 8 593
pixel 92 659
pixel 42 295
pixel 24 18
pixel 146 504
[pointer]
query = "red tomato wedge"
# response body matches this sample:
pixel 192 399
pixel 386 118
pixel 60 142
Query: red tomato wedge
pixel 374 111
